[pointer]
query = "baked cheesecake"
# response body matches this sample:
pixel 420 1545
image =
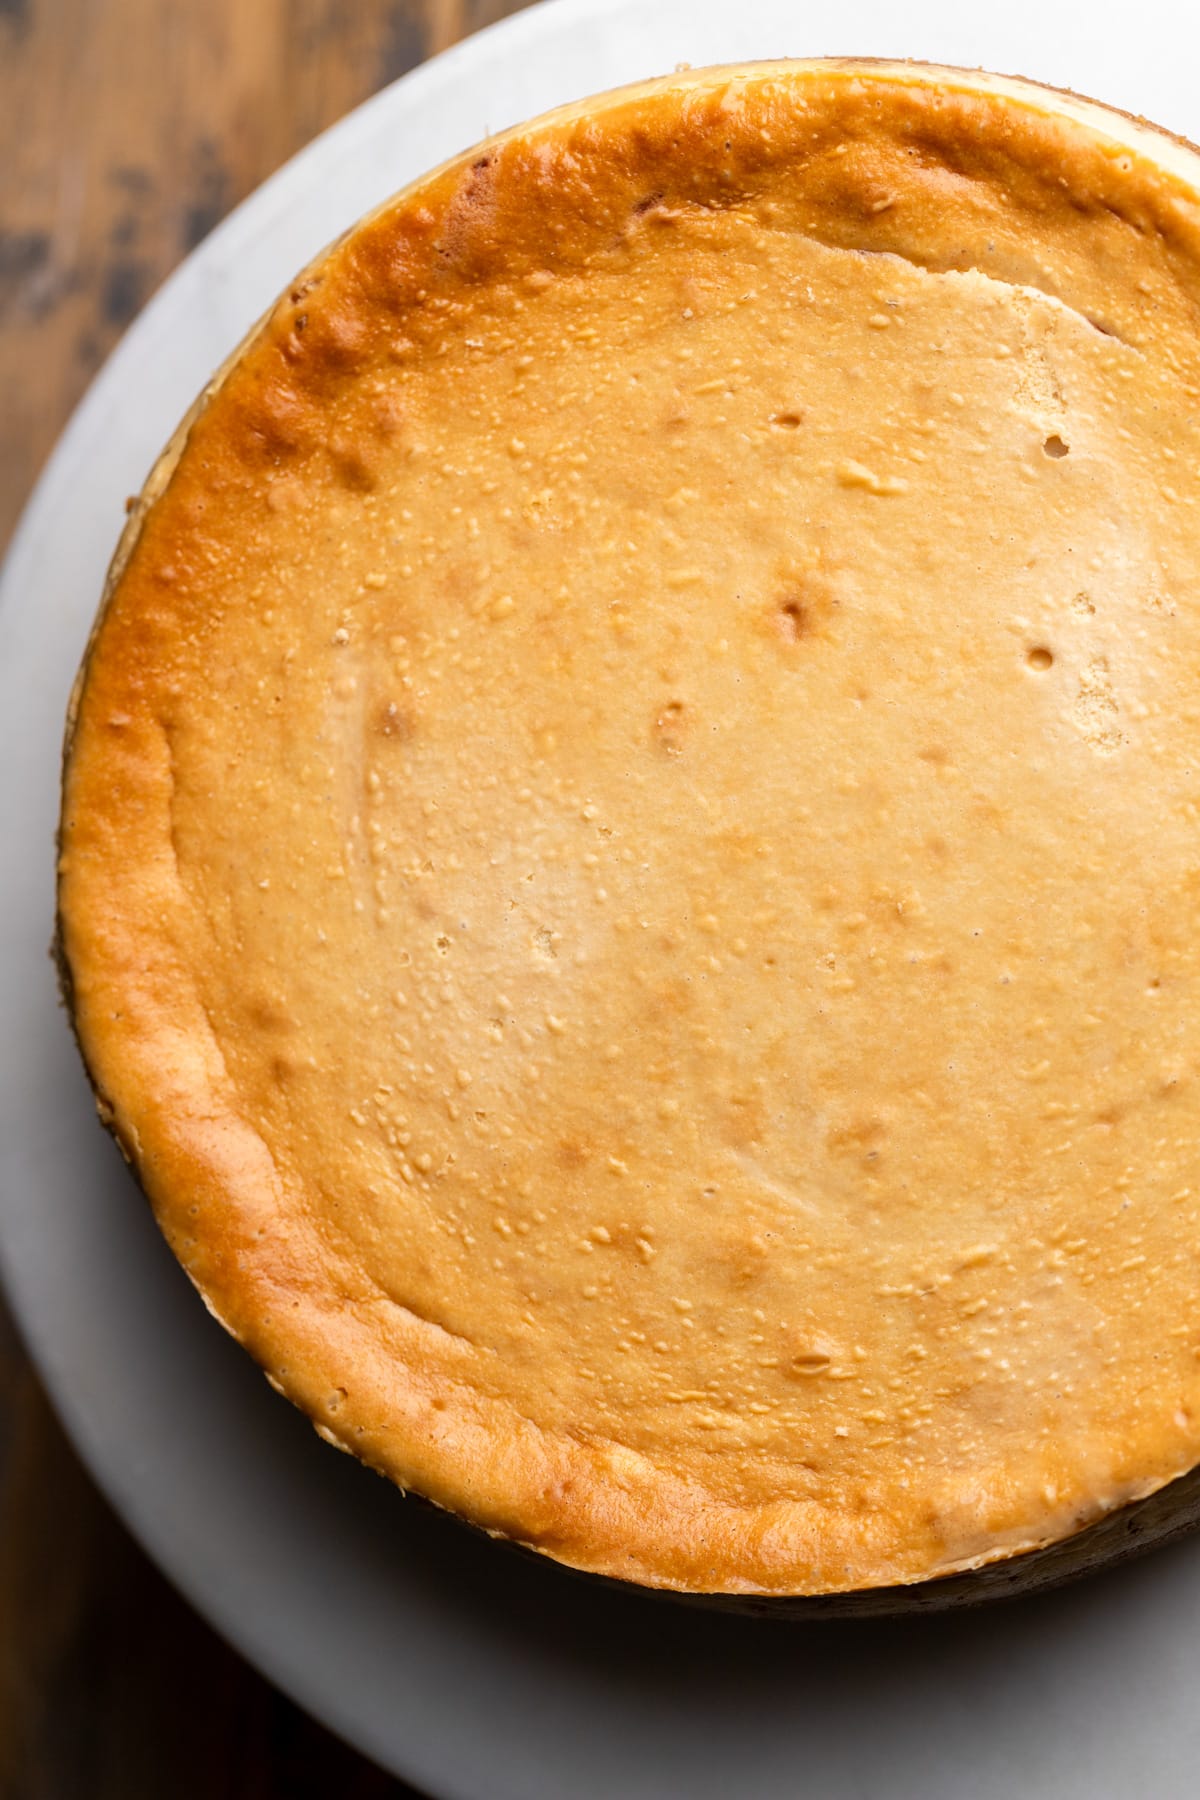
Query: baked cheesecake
pixel 630 850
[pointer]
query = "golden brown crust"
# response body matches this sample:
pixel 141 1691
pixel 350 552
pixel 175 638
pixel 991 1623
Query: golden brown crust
pixel 222 1044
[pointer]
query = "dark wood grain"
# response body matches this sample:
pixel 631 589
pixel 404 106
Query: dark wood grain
pixel 128 128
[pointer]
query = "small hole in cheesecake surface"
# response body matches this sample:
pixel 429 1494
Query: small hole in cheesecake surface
pixel 794 621
pixel 1040 658
pixel 1056 447
pixel 670 728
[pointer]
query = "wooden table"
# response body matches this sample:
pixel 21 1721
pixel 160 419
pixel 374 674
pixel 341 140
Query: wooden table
pixel 127 129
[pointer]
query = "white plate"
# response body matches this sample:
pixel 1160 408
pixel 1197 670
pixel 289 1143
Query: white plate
pixel 453 1662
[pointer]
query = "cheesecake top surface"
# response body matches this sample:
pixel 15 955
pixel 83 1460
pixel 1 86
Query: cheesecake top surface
pixel 631 838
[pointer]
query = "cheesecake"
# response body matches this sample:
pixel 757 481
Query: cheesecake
pixel 629 867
